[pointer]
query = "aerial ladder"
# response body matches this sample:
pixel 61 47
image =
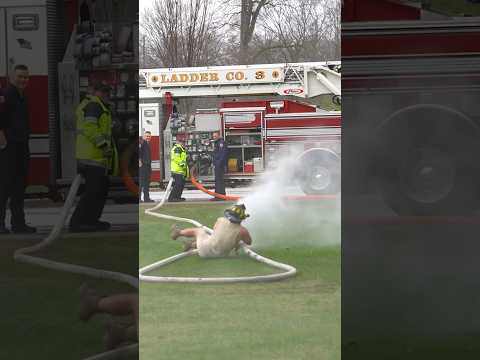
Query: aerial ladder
pixel 305 80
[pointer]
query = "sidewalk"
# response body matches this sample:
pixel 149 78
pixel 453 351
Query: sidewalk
pixel 122 217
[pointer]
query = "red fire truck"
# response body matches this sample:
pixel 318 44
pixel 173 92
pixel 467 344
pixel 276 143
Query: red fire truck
pixel 258 132
pixel 412 86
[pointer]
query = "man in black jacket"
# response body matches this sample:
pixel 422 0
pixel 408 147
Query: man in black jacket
pixel 145 166
pixel 220 163
pixel 15 154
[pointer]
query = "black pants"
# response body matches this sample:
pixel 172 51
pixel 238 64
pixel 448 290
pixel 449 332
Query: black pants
pixel 220 179
pixel 90 207
pixel 178 185
pixel 145 173
pixel 13 181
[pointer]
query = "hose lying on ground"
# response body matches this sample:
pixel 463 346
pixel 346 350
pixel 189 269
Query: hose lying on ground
pixel 289 271
pixel 24 254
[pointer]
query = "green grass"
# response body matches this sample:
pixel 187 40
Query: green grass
pixel 298 318
pixel 40 306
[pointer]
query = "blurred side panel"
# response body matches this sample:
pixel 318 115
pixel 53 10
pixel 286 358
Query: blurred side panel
pixel 410 185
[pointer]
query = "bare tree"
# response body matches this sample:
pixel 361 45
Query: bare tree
pixel 309 31
pixel 180 33
pixel 243 17
pixel 284 30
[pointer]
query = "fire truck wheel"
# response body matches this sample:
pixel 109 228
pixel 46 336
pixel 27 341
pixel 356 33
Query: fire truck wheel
pixel 320 172
pixel 428 168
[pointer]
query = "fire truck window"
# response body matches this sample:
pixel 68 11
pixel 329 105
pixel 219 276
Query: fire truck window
pixel 25 22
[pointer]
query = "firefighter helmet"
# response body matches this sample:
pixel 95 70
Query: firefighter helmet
pixel 236 213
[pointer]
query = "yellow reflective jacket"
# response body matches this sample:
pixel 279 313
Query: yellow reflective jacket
pixel 95 144
pixel 178 160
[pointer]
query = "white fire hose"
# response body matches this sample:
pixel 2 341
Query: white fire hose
pixel 289 271
pixel 20 255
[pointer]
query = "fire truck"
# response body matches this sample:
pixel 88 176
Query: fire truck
pixel 259 132
pixel 410 92
pixel 62 58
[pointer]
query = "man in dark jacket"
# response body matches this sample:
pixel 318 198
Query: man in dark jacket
pixel 145 166
pixel 219 162
pixel 14 153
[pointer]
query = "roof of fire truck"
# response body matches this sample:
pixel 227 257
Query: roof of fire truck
pixel 304 80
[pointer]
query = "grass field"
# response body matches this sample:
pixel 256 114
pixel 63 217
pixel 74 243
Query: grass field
pixel 40 306
pixel 296 319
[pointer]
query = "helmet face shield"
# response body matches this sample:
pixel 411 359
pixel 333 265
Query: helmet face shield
pixel 236 213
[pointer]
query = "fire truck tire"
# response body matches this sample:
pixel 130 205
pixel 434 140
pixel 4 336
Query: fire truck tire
pixel 320 172
pixel 425 165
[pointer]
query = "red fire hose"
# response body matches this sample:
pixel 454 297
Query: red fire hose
pixel 212 193
pixel 124 173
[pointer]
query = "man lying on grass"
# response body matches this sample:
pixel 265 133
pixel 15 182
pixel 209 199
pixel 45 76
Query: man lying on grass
pixel 227 234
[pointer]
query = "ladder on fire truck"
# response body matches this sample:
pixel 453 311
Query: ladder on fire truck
pixel 303 80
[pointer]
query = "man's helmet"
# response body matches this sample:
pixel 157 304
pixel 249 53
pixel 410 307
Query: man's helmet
pixel 236 214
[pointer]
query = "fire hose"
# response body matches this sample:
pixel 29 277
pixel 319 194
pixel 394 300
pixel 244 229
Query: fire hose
pixel 289 270
pixel 24 255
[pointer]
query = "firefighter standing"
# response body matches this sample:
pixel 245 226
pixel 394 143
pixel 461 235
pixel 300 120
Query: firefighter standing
pixel 145 166
pixel 179 170
pixel 96 158
pixel 14 151
pixel 220 163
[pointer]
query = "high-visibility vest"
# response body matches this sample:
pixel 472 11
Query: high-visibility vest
pixel 95 145
pixel 178 160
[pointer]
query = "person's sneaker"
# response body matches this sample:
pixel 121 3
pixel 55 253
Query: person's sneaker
pixel 174 231
pixel 174 200
pixel 24 229
pixel 149 201
pixel 182 199
pixel 4 230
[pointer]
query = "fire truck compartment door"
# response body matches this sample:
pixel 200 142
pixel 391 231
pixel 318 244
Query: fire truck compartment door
pixel 27 38
pixel 150 119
